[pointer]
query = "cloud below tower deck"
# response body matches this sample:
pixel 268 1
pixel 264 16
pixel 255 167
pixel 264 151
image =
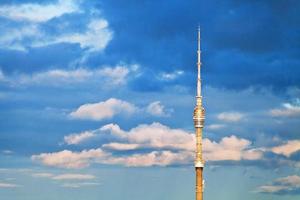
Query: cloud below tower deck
pixel 162 146
pixel 159 145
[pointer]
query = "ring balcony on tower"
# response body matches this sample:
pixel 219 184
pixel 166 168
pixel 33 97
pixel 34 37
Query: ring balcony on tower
pixel 199 118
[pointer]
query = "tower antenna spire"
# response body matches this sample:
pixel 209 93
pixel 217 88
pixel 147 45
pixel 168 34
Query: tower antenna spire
pixel 198 66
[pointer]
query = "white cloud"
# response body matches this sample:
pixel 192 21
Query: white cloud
pixel 154 135
pixel 69 159
pixel 158 136
pixel 168 147
pixel 293 180
pixel 230 148
pixel 287 184
pixel 78 185
pixel 230 116
pixel 121 146
pixel 288 148
pixel 271 188
pixel 57 76
pixel 38 12
pixel 103 110
pixel 107 76
pixel 96 37
pixel 113 129
pixel 157 109
pixel 78 138
pixel 73 177
pixel 171 76
pixel 7 151
pixel 42 175
pixel 116 75
pixel 14 38
pixel 214 126
pixel 154 158
pixel 288 110
pixel 8 185
pixel 64 176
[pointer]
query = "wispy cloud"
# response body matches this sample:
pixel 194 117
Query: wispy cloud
pixel 42 175
pixel 157 109
pixel 8 185
pixel 171 76
pixel 214 126
pixel 16 38
pixel 109 76
pixel 73 177
pixel 81 184
pixel 38 12
pixel 7 152
pixel 287 110
pixel 95 38
pixel 230 116
pixel 286 185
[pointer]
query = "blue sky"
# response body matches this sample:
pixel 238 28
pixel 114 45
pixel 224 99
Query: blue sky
pixel 97 97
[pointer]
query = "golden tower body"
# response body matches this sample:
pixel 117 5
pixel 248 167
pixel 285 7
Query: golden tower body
pixel 199 123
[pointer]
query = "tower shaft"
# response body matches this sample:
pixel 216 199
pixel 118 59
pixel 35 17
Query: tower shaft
pixel 199 116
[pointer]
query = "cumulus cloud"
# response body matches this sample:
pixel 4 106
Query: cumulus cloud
pixel 165 146
pixel 69 159
pixel 286 185
pixel 154 135
pixel 230 148
pixel 157 109
pixel 288 148
pixel 287 110
pixel 78 138
pixel 103 110
pixel 38 12
pixel 230 116
pixel 154 158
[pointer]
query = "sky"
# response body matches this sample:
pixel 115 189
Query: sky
pixel 96 99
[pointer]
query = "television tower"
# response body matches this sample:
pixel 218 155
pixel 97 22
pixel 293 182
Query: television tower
pixel 199 123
